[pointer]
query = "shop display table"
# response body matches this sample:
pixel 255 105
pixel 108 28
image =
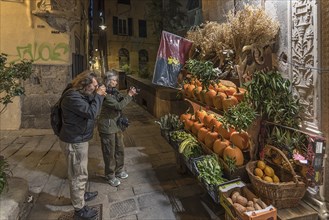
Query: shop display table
pixel 301 212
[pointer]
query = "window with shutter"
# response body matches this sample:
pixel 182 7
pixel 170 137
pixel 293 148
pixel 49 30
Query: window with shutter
pixel 142 28
pixel 115 25
pixel 130 26
pixel 122 26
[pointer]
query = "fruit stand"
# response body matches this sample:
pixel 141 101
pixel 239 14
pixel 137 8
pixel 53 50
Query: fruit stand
pixel 246 131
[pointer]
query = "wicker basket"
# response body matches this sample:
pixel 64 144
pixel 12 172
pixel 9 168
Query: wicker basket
pixel 285 194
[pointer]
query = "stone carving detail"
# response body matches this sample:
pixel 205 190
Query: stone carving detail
pixel 304 76
pixel 60 15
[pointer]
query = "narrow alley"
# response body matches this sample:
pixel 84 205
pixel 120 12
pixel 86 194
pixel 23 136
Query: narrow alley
pixel 153 190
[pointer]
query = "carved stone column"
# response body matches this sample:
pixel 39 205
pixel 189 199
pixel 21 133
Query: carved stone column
pixel 305 62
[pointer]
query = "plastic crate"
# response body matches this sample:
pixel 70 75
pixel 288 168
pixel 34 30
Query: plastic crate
pixel 165 134
pixel 190 164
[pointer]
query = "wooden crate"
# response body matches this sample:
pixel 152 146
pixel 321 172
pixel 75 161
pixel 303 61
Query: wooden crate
pixel 269 213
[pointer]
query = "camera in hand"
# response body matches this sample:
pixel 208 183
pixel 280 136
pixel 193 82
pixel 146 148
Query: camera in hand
pixel 123 122
pixel 112 91
pixel 137 89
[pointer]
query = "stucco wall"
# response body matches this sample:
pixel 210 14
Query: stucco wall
pixel 24 35
pixel 27 36
pixel 213 10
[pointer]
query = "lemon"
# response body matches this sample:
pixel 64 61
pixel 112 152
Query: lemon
pixel 257 177
pixel 258 172
pixel 269 171
pixel 261 164
pixel 276 179
pixel 268 179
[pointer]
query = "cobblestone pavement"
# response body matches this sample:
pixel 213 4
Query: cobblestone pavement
pixel 153 190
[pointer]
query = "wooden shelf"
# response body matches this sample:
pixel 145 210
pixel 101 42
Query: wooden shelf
pixel 197 104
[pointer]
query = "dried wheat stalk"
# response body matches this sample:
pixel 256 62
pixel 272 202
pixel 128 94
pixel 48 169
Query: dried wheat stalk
pixel 250 26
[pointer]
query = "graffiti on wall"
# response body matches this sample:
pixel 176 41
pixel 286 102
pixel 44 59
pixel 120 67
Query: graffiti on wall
pixel 44 51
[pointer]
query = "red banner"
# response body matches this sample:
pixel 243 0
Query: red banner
pixel 172 54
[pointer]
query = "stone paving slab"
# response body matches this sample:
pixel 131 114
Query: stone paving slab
pixel 140 189
pixel 156 212
pixel 123 208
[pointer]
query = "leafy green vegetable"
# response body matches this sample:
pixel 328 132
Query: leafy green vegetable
pixel 209 170
pixel 170 122
pixel 180 135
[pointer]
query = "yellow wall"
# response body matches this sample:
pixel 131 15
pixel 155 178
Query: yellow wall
pixel 23 35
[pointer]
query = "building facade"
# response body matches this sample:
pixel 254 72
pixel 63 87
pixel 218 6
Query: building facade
pixel 127 40
pixel 131 39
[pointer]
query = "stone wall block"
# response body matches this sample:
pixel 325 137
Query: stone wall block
pixel 42 90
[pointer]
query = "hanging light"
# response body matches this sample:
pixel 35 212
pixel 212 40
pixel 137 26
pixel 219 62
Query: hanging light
pixel 102 26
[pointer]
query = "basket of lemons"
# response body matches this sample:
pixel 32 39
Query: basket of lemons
pixel 276 185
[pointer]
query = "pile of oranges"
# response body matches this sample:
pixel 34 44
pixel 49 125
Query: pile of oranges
pixel 265 172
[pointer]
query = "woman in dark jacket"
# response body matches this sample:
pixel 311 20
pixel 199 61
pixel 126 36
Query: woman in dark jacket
pixel 110 133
